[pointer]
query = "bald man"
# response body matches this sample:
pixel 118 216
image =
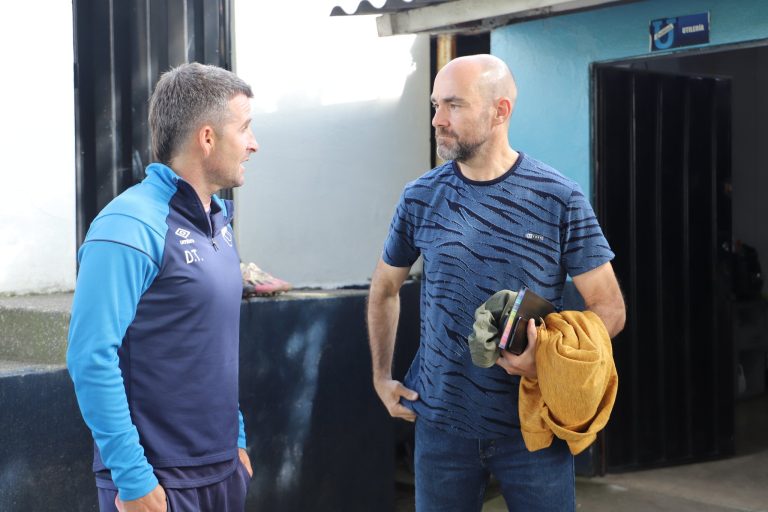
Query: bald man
pixel 489 218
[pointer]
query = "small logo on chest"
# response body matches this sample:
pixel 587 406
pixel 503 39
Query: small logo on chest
pixel 184 235
pixel 534 236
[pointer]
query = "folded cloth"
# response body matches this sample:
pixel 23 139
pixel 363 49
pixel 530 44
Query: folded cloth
pixel 576 388
pixel 486 331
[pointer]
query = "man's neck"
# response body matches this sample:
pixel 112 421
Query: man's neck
pixel 488 167
pixel 193 175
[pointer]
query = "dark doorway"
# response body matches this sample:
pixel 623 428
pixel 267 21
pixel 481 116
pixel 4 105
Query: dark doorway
pixel 121 49
pixel 663 160
pixel 641 196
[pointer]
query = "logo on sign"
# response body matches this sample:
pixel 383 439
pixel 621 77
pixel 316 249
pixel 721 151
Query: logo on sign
pixel 680 31
pixel 663 33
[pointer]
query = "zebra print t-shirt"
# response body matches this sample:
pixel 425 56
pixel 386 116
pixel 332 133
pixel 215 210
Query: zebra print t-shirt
pixel 532 226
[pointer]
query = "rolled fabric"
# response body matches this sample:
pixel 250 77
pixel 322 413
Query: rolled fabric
pixel 577 383
pixel 486 331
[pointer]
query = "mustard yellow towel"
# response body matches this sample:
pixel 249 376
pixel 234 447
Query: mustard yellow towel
pixel 576 386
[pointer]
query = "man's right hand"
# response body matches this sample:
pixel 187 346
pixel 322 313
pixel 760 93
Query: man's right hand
pixel 153 502
pixel 390 391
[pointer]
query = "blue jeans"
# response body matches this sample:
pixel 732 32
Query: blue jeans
pixel 452 473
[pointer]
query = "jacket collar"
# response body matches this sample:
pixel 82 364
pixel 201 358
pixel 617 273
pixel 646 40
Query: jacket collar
pixel 163 176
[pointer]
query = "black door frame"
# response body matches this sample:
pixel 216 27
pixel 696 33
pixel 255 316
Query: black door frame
pixel 594 66
pixel 601 462
pixel 121 49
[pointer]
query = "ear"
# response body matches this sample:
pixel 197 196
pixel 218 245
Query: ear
pixel 206 139
pixel 503 110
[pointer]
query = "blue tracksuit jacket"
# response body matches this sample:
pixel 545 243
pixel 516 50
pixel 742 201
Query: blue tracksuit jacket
pixel 153 339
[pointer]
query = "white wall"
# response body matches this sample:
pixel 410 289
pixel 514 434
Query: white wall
pixel 37 176
pixel 342 117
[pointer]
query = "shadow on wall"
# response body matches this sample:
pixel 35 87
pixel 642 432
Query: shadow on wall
pixel 45 448
pixel 318 436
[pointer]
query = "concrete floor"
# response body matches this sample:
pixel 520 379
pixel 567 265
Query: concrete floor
pixel 737 484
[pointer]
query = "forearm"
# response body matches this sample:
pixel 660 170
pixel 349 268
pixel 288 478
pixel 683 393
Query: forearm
pixel 602 296
pixel 612 314
pixel 383 315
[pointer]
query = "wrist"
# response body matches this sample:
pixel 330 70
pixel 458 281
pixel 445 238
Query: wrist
pixel 140 490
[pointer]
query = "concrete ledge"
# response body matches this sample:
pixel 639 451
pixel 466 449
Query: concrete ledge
pixel 21 368
pixel 34 328
pixel 319 438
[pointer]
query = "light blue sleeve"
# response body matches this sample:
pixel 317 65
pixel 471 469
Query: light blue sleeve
pixel 111 280
pixel 241 433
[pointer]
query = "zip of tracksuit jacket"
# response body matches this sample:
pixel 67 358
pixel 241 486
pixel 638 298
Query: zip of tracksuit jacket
pixel 154 334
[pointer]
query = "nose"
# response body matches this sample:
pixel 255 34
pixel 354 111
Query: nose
pixel 439 119
pixel 252 146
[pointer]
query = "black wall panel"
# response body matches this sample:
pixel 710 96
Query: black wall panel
pixel 663 165
pixel 121 49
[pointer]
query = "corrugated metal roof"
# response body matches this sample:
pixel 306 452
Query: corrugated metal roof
pixel 390 6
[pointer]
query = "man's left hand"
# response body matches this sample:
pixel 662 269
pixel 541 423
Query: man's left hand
pixel 524 364
pixel 245 460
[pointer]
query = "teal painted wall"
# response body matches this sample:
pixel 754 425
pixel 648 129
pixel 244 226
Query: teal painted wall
pixel 550 59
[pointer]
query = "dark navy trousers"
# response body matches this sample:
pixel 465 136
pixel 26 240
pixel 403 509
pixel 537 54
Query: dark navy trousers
pixel 225 496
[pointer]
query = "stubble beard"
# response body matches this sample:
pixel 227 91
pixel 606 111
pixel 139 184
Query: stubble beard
pixel 224 178
pixel 459 148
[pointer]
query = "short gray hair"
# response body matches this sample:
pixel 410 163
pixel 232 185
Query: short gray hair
pixel 185 98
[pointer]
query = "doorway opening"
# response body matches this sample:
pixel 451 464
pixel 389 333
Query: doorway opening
pixel 680 189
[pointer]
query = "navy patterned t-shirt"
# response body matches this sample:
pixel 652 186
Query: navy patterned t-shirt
pixel 531 226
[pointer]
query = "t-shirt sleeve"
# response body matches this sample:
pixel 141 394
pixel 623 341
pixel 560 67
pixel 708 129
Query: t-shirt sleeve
pixel 400 248
pixel 583 245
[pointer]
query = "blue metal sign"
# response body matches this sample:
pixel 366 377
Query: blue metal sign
pixel 667 33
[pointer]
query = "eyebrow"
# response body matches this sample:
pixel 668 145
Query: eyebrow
pixel 449 99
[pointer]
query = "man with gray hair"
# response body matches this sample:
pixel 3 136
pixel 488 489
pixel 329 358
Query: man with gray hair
pixel 154 335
